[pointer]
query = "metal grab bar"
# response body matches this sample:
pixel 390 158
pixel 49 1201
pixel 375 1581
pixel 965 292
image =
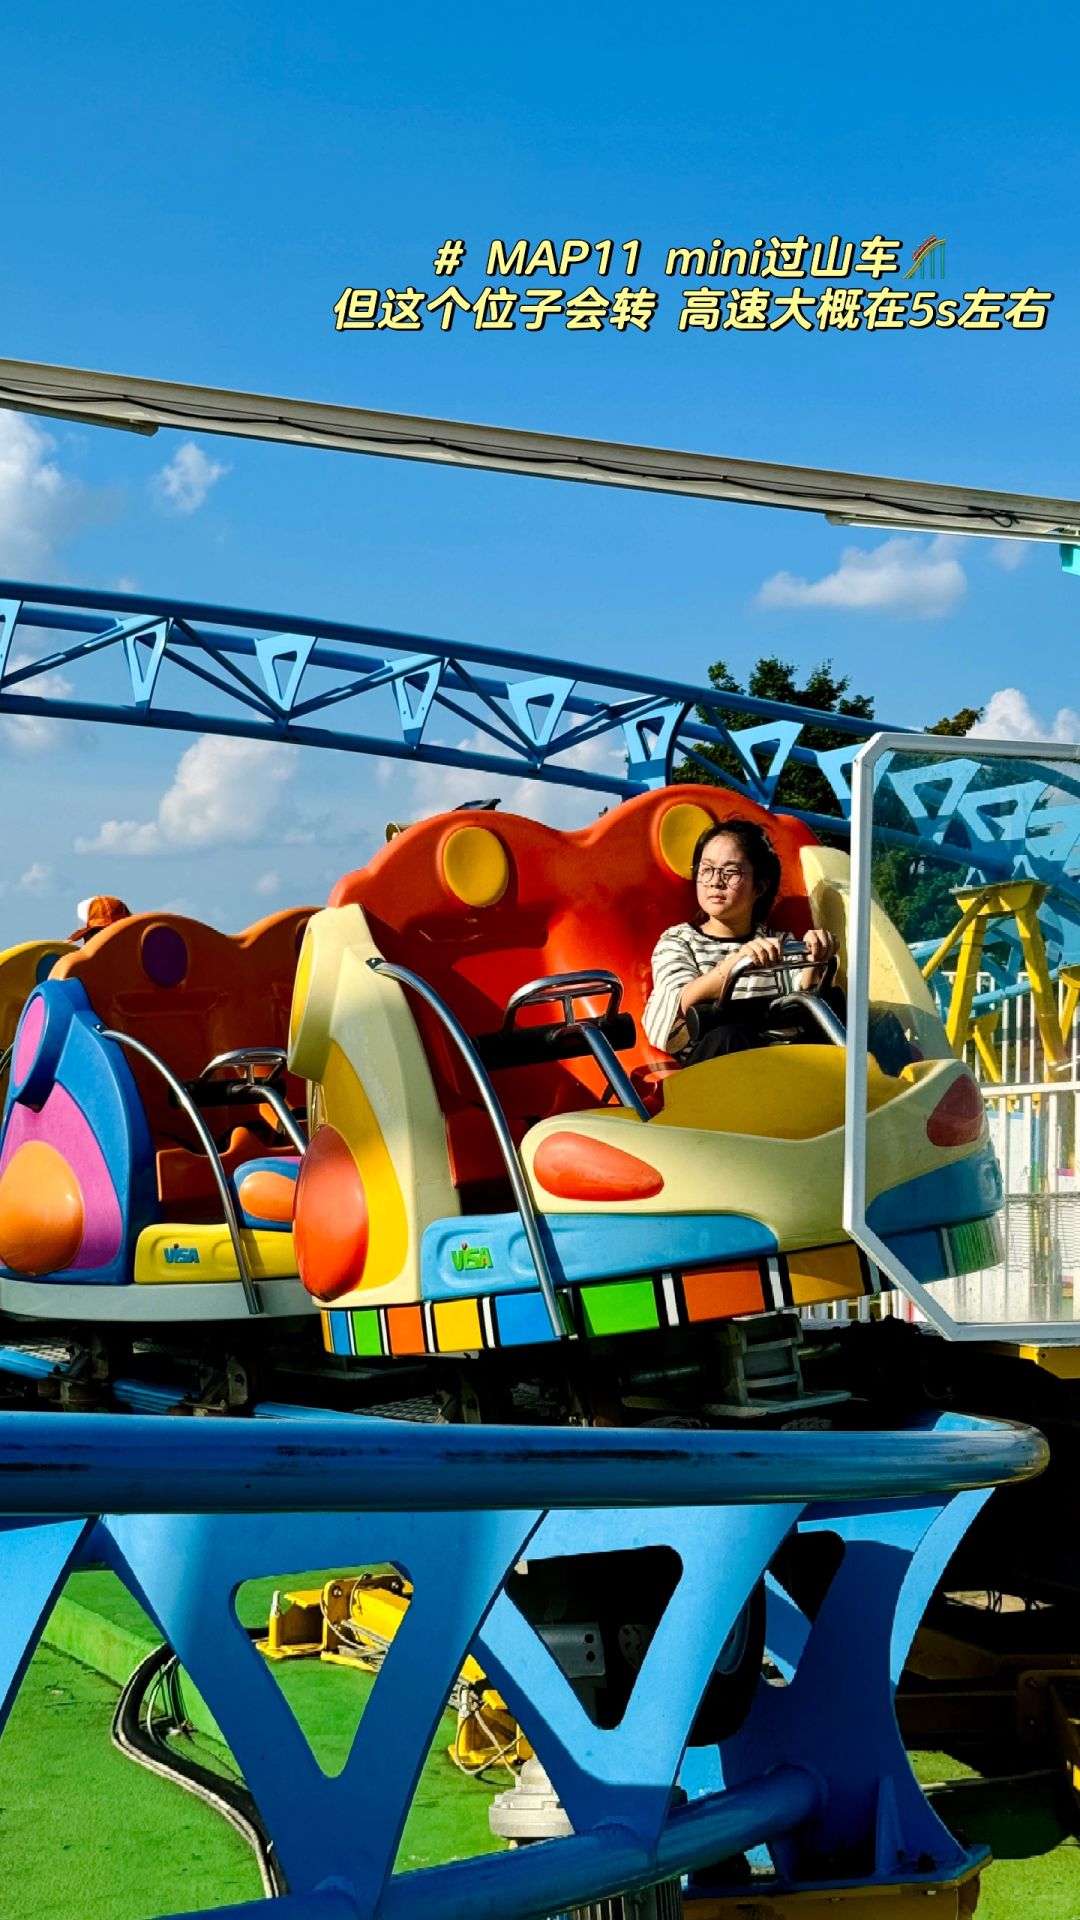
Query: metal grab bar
pixel 611 1067
pixel 247 1059
pixel 184 1100
pixel 565 988
pixel 819 1010
pixel 522 1196
pixel 793 959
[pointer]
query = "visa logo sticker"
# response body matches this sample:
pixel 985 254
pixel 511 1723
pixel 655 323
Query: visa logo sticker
pixel 467 1259
pixel 181 1256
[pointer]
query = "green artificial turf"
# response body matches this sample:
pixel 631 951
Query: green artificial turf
pixel 1029 1826
pixel 85 1834
pixel 88 1835
pixel 99 1622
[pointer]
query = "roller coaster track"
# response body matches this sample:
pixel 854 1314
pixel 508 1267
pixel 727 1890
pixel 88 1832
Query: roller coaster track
pixel 182 666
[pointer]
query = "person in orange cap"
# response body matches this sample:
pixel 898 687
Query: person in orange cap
pixel 103 910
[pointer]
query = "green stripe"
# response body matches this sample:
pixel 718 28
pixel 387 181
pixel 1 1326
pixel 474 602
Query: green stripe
pixel 973 1245
pixel 629 1307
pixel 366 1337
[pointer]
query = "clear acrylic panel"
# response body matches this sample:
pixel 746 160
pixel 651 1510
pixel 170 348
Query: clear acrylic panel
pixel 964 1037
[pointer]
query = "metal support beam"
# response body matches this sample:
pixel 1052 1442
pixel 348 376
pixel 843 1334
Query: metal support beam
pixel 849 499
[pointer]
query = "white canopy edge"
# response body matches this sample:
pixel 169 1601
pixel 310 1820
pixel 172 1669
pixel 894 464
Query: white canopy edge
pixel 847 499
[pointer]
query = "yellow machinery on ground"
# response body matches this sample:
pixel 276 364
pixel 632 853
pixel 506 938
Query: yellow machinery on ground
pixel 351 1621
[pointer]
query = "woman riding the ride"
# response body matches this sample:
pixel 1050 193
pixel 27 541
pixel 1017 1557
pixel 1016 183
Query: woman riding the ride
pixel 736 875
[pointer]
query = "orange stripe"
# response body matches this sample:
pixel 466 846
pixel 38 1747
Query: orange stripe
pixel 405 1326
pixel 723 1292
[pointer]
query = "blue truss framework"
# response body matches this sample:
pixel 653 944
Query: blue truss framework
pixel 188 667
pixel 183 1512
pixel 312 682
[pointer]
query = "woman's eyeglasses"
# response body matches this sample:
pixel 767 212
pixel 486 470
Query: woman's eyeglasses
pixel 725 875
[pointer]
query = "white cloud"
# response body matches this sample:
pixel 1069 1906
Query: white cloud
pixel 225 792
pixel 437 789
pixel 37 880
pixel 39 504
pixel 1009 554
pixel 184 484
pixel 921 579
pixel 40 507
pixel 267 883
pixel 29 732
pixel 1009 716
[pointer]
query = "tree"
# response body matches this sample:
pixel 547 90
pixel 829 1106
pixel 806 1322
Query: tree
pixel 799 786
pixel 916 892
pixel 960 723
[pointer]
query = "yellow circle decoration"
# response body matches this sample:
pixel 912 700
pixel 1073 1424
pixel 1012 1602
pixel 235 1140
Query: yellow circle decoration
pixel 680 829
pixel 475 866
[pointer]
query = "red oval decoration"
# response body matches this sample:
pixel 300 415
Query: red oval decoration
pixel 330 1219
pixel 575 1167
pixel 958 1116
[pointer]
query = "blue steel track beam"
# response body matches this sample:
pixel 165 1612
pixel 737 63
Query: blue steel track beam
pixel 651 723
pixel 59 608
pixel 194 1512
pixel 137 1464
pixel 535 1879
pixel 653 726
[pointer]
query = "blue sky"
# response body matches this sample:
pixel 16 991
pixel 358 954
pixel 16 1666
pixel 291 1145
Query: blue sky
pixel 187 196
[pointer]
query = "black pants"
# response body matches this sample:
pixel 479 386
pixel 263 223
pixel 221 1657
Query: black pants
pixel 742 1025
pixel 738 1029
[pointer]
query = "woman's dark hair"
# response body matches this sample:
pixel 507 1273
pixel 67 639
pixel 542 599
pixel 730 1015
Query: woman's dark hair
pixel 764 860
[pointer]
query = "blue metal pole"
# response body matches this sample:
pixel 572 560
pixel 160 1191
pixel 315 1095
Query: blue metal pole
pixel 95 1463
pixel 281 729
pixel 553 1875
pixel 325 1903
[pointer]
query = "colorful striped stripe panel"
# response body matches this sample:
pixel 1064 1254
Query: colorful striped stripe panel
pixel 602 1308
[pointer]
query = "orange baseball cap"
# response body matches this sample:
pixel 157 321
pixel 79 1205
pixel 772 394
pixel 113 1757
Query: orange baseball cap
pixel 103 910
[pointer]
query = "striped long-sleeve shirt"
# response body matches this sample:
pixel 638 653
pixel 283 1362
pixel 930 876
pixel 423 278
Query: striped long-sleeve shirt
pixel 683 954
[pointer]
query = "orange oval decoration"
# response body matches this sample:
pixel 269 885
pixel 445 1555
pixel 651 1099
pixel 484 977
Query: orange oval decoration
pixel 575 1167
pixel 330 1220
pixel 42 1215
pixel 268 1196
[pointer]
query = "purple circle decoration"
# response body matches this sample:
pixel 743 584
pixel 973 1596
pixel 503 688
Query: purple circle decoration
pixel 164 956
